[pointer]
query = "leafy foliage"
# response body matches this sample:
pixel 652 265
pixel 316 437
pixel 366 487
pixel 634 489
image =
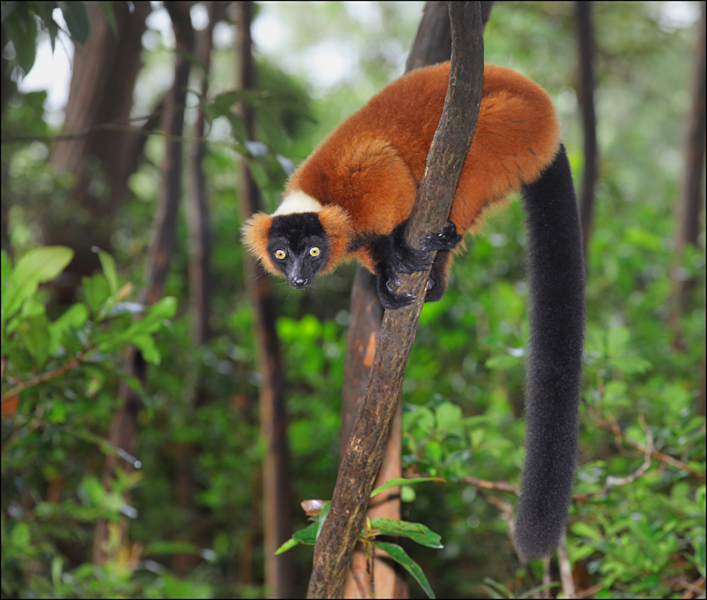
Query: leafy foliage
pixel 641 536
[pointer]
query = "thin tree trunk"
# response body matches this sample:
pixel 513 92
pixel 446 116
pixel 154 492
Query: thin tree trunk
pixel 277 519
pixel 199 231
pixel 335 546
pixel 124 426
pixel 101 91
pixel 691 190
pixel 585 97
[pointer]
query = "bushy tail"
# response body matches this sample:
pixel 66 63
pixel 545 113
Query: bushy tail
pixel 556 274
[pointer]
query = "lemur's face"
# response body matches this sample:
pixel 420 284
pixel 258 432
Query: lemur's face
pixel 298 247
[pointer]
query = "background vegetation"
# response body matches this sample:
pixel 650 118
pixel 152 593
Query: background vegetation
pixel 637 528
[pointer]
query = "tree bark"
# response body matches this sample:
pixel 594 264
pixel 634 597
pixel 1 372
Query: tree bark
pixel 198 220
pixel 101 91
pixel 123 433
pixel 335 545
pixel 433 39
pixel 691 189
pixel 585 97
pixel 277 519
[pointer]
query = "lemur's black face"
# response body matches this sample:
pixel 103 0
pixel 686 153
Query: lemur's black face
pixel 298 247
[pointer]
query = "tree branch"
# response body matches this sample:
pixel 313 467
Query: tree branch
pixel 335 545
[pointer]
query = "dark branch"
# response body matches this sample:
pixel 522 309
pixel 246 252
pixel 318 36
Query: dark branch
pixel 335 546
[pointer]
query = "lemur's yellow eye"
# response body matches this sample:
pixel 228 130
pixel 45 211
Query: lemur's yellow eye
pixel 280 254
pixel 314 251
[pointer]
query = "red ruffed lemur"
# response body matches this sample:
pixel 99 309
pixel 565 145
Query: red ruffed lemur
pixel 352 197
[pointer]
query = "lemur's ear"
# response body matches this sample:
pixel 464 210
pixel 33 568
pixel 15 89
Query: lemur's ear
pixel 255 233
pixel 337 227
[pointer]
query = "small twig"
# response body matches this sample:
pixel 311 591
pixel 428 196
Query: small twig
pixel 563 561
pixel 547 579
pixel 664 458
pixel 21 387
pixel 505 507
pixel 619 481
pixel 590 591
pixel 501 486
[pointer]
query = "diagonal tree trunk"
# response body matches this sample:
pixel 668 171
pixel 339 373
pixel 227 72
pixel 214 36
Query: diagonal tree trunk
pixel 361 463
pixel 433 44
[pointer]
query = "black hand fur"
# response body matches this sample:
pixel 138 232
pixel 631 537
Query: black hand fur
pixel 444 240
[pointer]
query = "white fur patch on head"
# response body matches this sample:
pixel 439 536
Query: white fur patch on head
pixel 298 202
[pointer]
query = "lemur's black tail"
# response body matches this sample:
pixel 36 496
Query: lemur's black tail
pixel 556 274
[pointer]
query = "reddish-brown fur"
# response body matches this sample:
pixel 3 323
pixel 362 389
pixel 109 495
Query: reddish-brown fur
pixel 372 163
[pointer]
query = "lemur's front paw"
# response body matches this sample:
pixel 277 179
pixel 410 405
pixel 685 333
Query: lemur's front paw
pixel 444 240
pixel 392 301
pixel 407 259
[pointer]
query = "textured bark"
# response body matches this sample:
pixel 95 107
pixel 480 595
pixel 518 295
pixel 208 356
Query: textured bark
pixel 691 190
pixel 366 317
pixel 199 231
pixel 361 463
pixel 277 519
pixel 585 97
pixel 101 91
pixel 124 426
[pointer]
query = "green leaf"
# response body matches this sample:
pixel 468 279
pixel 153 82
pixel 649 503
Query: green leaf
pixel 322 517
pixel 8 8
pixel 503 361
pixel 448 415
pixel 308 536
pixel 415 531
pixel 36 338
pixel 108 264
pixel 147 346
pixel 164 309
pixel 402 481
pixel 701 558
pixel 5 276
pixel 400 556
pixel 631 364
pixel 110 16
pixel 291 543
pixel 95 291
pixel 74 318
pixel 76 19
pixel 581 529
pixel 617 340
pixel 22 30
pixel 37 266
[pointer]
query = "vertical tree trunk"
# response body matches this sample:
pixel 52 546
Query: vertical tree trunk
pixel 691 189
pixel 124 427
pixel 101 91
pixel 199 231
pixel 277 521
pixel 585 97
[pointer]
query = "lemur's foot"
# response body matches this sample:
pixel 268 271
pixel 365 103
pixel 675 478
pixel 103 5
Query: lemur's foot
pixel 392 300
pixel 407 259
pixel 444 240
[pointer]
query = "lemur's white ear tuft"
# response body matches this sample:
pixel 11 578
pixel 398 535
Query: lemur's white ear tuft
pixel 255 233
pixel 337 226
